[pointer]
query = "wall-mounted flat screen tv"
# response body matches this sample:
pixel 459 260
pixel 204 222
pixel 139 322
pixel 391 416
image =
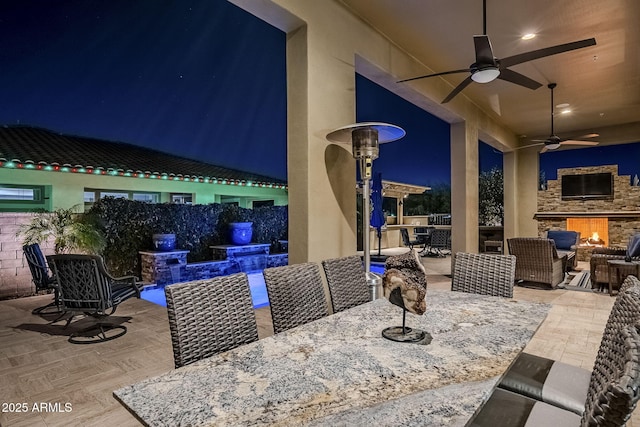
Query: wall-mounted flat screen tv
pixel 587 186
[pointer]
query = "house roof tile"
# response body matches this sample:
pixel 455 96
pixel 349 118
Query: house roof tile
pixel 27 144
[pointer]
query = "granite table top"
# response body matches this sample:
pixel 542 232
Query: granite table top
pixel 339 370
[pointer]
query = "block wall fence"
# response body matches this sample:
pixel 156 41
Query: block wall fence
pixel 15 277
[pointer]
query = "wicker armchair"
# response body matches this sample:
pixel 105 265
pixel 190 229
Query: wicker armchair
pixel 567 242
pixel 537 260
pixel 210 316
pixel 612 392
pixel 600 267
pixel 86 287
pixel 296 295
pixel 484 274
pixel 347 282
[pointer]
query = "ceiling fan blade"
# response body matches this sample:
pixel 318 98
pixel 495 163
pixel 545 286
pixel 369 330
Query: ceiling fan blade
pixel 484 53
pixel 527 146
pixel 458 89
pixel 464 70
pixel 539 140
pixel 576 142
pixel 547 51
pixel 589 135
pixel 517 78
pixel 544 149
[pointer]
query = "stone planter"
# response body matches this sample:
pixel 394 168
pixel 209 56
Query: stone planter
pixel 240 232
pixel 164 242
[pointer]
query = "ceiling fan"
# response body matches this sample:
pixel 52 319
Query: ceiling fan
pixel 553 142
pixel 487 67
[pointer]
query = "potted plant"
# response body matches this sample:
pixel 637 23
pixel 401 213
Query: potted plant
pixel 69 230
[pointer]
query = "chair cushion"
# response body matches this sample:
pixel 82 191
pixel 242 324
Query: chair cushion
pixel 563 239
pixel 505 408
pixel 550 381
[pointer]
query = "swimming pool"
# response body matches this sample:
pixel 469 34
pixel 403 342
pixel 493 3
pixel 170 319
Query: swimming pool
pixel 155 294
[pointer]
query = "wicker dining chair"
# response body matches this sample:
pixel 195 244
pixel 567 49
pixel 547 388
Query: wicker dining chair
pixel 296 295
pixel 566 386
pixel 347 282
pixel 484 274
pixel 612 394
pixel 210 316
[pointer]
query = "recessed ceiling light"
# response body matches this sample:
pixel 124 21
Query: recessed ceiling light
pixel 528 36
pixel 563 105
pixel 565 111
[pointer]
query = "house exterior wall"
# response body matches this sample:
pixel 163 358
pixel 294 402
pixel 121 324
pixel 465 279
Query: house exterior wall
pixel 67 189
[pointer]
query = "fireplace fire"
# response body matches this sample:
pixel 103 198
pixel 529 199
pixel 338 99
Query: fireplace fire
pixel 594 239
pixel 593 231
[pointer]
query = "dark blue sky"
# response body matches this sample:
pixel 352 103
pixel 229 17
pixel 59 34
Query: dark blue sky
pixel 423 156
pixel 199 78
pixel 202 79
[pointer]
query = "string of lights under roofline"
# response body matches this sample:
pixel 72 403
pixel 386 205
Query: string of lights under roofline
pixel 53 167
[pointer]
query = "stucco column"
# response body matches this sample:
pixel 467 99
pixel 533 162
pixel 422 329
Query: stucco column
pixel 521 170
pixel 464 187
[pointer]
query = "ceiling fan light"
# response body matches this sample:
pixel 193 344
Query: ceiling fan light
pixel 485 75
pixel 552 146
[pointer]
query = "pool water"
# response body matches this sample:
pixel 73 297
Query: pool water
pixel 377 268
pixel 257 286
pixel 155 294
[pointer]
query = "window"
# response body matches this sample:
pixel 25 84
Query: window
pixel 260 203
pixel 182 198
pixel 92 195
pixel 24 198
pixel 146 197
pixel 14 193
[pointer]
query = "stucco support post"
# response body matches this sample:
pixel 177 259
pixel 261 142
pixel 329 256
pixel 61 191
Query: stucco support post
pixel 521 171
pixel 464 187
pixel 321 175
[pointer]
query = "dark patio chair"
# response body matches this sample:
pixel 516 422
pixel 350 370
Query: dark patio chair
pixel 210 316
pixel 86 287
pixel 484 274
pixel 566 386
pixel 440 243
pixel 41 278
pixel 406 240
pixel 347 282
pixel 296 295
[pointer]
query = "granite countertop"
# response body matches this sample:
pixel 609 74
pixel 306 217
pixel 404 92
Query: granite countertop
pixel 340 371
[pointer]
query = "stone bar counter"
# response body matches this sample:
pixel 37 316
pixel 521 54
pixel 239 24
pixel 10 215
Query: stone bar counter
pixel 339 370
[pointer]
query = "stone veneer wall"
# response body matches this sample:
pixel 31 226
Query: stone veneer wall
pixel 15 277
pixel 625 198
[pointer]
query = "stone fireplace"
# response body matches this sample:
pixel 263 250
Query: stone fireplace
pixel 614 221
pixel 593 231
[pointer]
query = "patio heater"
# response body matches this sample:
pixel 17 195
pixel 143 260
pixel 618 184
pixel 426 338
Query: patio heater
pixel 365 139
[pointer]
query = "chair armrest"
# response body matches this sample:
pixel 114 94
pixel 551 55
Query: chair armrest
pixel 128 281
